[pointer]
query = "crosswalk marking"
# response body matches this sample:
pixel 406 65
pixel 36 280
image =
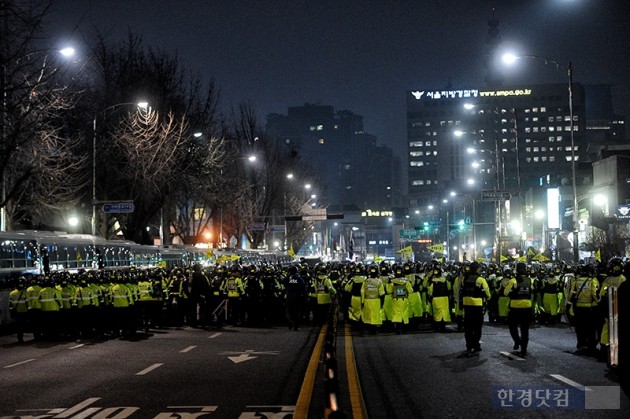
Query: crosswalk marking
pixel 511 355
pixel 190 348
pixel 214 335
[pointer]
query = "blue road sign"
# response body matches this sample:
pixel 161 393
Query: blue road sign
pixel 118 208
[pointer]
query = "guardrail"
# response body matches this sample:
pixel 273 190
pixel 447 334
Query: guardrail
pixel 330 362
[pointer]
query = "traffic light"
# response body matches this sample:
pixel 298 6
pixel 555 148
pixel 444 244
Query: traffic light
pixel 461 224
pixel 425 226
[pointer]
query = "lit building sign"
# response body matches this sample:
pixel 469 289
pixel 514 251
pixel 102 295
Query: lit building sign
pixel 370 213
pixel 553 208
pixel 471 93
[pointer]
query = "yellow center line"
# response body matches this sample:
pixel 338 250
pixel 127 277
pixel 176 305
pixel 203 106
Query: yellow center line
pixel 304 399
pixel 356 397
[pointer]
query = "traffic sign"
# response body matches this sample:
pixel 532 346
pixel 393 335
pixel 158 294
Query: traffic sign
pixel 468 221
pixel 410 234
pixel 118 208
pixel 495 196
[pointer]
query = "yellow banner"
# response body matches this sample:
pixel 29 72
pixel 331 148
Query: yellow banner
pixel 598 255
pixel 406 250
pixel 439 248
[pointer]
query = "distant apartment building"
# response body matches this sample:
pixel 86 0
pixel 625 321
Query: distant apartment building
pixel 356 171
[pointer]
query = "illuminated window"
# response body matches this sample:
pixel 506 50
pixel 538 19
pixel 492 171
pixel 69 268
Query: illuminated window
pixel 199 214
pixel 558 118
pixel 559 138
pixel 528 129
pixel 527 110
pixel 434 142
pixel 550 119
pixel 435 153
pixel 416 154
pixel 428 182
pixel 567 118
pixel 416 144
pixel 320 127
pixel 321 141
pixel 535 119
pixel 543 129
pixel 535 159
pixel 418 182
pixel 543 158
pixel 416 163
pixel 552 158
pixel 535 149
pixel 528 159
pixel 543 149
pixel 534 109
pixel 528 149
pixel 568 158
pixel 427 143
pixel 543 109
pixel 552 139
pixel 535 129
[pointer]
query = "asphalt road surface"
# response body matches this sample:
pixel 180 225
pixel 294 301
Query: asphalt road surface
pixel 247 373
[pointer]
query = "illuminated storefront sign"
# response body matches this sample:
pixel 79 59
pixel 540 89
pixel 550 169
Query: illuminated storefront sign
pixel 370 213
pixel 470 93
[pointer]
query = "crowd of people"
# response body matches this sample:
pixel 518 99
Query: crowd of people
pixel 374 297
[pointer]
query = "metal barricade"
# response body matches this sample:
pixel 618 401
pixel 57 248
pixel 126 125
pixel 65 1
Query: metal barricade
pixel 613 326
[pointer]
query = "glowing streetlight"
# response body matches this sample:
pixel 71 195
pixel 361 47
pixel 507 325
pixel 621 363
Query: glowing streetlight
pixel 510 58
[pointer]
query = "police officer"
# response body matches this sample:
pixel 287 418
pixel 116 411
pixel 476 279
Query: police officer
pixel 355 287
pixel 400 288
pixel 19 307
pixel 373 293
pixel 439 294
pixel 520 290
pixel 325 293
pixel 583 296
pixel 474 294
pixel 295 295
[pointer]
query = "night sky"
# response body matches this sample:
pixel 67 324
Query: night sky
pixel 364 55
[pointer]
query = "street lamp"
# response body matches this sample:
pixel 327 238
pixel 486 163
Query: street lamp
pixel 511 58
pixel 141 105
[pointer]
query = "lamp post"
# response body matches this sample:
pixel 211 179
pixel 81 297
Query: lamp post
pixel 142 105
pixel 510 58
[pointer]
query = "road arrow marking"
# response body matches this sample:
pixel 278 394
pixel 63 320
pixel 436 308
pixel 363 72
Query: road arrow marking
pixel 247 355
pixel 241 358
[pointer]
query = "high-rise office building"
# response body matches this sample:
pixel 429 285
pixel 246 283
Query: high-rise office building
pixel 487 139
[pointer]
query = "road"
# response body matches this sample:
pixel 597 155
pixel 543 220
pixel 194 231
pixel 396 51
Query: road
pixel 237 372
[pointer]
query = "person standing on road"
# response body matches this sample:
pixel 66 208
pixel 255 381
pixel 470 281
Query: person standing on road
pixel 373 293
pixel 19 307
pixel 295 296
pixel 519 290
pixel 475 293
pixel 439 294
pixel 583 298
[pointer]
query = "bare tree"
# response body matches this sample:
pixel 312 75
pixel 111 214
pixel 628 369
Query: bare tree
pixel 39 162
pixel 165 154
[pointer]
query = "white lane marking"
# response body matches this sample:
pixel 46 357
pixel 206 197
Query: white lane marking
pixel 511 355
pixel 148 370
pixel 190 348
pixel 570 382
pixel 214 336
pixel 20 363
pixel 77 346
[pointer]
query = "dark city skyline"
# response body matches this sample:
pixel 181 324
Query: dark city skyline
pixel 363 56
